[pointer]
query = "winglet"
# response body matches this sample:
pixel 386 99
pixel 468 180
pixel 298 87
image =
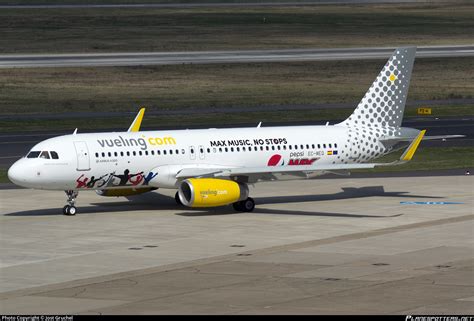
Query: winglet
pixel 135 126
pixel 410 151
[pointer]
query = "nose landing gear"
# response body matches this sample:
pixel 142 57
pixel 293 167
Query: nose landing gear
pixel 70 209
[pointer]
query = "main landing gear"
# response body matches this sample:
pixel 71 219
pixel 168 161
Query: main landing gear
pixel 70 209
pixel 244 206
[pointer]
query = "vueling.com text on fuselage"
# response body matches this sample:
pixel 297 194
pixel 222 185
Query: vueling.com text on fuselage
pixel 142 142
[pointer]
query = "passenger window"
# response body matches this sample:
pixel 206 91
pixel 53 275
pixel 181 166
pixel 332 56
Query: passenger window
pixel 238 149
pixel 183 151
pixel 335 145
pixel 121 154
pixel 96 154
pixel 324 145
pixel 261 147
pixel 140 153
pixel 152 152
pixel 171 152
pixel 208 150
pixel 226 150
pixel 319 146
pixel 220 149
pixel 134 153
pixel 115 154
pixel 164 152
pixel 128 153
pixel 192 151
pixel 273 147
pixel 289 147
pixel 302 146
pixel 201 150
pixel 146 153
pixel 103 154
pixel 312 146
pixel 33 154
pixel 267 148
pixel 158 152
pixel 278 147
pixel 243 149
pixel 110 154
pixel 214 150
pixel 296 147
pixel 330 146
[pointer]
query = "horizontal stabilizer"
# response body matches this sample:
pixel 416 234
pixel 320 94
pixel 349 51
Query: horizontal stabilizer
pixel 395 139
pixel 442 137
pixel 409 152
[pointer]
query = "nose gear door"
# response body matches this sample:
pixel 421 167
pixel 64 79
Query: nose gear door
pixel 83 159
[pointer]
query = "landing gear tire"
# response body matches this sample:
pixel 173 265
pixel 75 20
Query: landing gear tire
pixel 177 199
pixel 69 210
pixel 247 205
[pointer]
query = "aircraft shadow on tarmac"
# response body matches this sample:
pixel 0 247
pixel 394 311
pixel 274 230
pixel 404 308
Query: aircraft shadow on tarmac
pixel 156 202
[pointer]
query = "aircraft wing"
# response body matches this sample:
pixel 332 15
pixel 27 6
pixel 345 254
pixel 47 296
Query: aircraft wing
pixel 252 174
pixel 263 171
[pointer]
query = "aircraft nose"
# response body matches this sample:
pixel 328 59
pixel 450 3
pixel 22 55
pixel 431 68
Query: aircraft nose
pixel 16 174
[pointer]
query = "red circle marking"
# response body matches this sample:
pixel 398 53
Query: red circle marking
pixel 274 160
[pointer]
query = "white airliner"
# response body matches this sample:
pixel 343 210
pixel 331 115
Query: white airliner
pixel 212 167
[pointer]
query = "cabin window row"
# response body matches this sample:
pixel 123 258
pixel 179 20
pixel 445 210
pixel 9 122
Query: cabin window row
pixel 267 147
pixel 214 149
pixel 140 153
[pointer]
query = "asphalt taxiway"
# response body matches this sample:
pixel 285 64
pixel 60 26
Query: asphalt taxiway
pixel 358 246
pixel 212 57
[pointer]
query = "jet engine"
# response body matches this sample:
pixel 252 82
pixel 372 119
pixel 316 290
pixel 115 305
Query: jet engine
pixel 123 191
pixel 210 192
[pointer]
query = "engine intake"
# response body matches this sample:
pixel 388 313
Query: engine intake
pixel 211 192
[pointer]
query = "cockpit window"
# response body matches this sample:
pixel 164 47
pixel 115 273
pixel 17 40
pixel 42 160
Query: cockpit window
pixel 44 155
pixel 33 154
pixel 54 155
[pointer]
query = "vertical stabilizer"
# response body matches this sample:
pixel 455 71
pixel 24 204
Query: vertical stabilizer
pixel 384 103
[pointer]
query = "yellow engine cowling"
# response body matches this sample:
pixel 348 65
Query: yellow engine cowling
pixel 123 191
pixel 210 192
